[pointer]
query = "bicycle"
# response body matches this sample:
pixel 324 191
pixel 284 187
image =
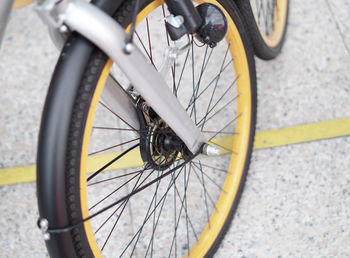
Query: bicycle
pixel 173 133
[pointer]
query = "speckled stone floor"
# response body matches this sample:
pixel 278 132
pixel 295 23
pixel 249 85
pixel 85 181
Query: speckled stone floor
pixel 297 198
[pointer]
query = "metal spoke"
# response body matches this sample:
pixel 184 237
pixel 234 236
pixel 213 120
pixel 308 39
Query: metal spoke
pixel 225 148
pixel 230 133
pixel 216 83
pixel 188 218
pixel 112 147
pixel 211 180
pixel 193 79
pixel 182 71
pixel 226 126
pixel 210 83
pixel 139 234
pixel 149 40
pixel 111 162
pixel 195 91
pixel 162 200
pixel 135 192
pixel 219 169
pixel 204 119
pixel 145 49
pixel 113 178
pixel 116 209
pixel 115 190
pixel 104 223
pixel 175 231
pixel 117 129
pixel 110 233
pixel 154 198
pixel 206 192
pixel 117 115
pixel 187 232
pixel 124 203
pixel 155 221
pixel 181 208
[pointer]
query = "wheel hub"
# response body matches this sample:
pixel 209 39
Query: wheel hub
pixel 160 147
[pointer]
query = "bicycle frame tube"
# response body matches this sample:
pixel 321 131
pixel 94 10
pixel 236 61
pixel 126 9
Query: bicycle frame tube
pixel 109 36
pixel 5 10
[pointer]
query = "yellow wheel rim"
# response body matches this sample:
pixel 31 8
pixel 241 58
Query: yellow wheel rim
pixel 279 22
pixel 240 142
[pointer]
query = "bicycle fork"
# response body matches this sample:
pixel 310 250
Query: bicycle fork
pixel 110 37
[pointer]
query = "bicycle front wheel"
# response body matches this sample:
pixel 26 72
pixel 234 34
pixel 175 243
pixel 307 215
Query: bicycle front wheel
pixel 151 199
pixel 266 21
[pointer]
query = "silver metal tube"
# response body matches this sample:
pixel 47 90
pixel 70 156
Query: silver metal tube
pixel 108 35
pixel 5 10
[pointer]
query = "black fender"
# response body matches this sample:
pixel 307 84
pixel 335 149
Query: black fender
pixel 53 135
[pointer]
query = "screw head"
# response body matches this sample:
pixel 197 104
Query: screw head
pixel 44 224
pixel 46 236
pixel 128 48
pixel 63 29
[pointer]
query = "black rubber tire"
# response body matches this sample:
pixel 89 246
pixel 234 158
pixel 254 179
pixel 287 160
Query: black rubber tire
pixel 261 49
pixel 62 127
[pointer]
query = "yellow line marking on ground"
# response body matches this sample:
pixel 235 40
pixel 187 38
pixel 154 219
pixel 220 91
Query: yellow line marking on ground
pixel 302 133
pixel 263 140
pixel 21 3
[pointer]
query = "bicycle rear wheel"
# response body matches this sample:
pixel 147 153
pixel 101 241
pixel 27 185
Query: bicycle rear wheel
pixel 266 22
pixel 160 202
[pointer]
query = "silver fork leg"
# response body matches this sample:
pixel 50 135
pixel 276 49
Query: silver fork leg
pixel 5 10
pixel 117 100
pixel 109 36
